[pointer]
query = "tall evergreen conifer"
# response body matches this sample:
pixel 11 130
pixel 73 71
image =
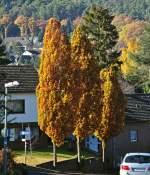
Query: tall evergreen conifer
pixel 97 24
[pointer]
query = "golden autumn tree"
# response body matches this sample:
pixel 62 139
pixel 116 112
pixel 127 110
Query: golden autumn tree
pixel 54 115
pixel 22 22
pixel 32 24
pixel 113 107
pixel 86 84
pixel 4 22
pixel 132 31
pixel 128 65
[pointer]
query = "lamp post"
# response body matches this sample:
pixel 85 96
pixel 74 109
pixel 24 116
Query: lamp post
pixel 7 85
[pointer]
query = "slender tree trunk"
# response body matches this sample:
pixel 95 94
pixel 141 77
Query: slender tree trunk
pixel 78 150
pixel 54 154
pixel 103 150
pixel 21 32
pixel 32 39
pixel 5 31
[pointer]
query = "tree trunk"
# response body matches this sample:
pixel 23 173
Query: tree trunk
pixel 103 150
pixel 54 154
pixel 32 39
pixel 78 150
pixel 21 32
pixel 5 32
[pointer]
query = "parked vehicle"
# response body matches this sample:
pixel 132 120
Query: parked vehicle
pixel 135 164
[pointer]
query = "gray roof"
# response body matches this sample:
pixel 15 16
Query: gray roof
pixel 21 40
pixel 26 75
pixel 138 107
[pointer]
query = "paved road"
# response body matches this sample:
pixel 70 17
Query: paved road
pixel 65 174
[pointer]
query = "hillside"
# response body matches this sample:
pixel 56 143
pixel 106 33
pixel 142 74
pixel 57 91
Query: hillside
pixel 44 9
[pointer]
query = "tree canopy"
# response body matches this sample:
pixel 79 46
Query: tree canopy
pixel 97 24
pixel 3 58
pixel 54 117
pixel 62 9
pixel 142 59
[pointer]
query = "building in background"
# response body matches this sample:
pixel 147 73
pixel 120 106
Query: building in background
pixel 22 102
pixel 134 137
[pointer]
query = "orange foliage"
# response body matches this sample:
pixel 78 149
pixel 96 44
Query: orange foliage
pixel 113 106
pixel 22 22
pixel 54 115
pixel 77 22
pixel 120 21
pixel 132 31
pixel 86 83
pixel 5 20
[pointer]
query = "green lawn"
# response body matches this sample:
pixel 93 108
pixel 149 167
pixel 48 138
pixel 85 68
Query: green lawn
pixel 42 155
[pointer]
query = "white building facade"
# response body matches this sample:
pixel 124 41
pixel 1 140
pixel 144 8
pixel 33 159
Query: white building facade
pixel 22 102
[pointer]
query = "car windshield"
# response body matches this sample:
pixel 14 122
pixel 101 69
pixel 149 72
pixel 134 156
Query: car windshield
pixel 138 159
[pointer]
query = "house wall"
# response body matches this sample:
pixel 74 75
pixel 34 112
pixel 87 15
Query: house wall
pixel 30 114
pixel 122 144
pixel 118 146
pixel 23 122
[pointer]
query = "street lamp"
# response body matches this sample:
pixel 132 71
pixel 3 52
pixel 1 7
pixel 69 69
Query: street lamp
pixel 7 85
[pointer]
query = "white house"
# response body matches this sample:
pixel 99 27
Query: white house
pixel 22 103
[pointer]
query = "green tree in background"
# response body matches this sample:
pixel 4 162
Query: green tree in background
pixel 102 34
pixel 3 59
pixel 142 57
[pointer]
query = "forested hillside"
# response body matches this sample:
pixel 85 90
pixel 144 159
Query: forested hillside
pixel 28 18
pixel 62 9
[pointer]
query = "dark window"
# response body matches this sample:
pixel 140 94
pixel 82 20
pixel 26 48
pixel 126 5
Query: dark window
pixel 133 136
pixel 138 159
pixel 16 106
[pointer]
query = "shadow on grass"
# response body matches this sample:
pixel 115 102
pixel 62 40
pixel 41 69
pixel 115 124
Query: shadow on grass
pixel 87 166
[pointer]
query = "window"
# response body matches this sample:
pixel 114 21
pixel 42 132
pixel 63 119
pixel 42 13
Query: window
pixel 138 159
pixel 16 106
pixel 13 106
pixel 133 136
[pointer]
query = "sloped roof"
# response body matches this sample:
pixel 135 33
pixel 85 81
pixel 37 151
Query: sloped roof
pixel 138 107
pixel 26 75
pixel 21 40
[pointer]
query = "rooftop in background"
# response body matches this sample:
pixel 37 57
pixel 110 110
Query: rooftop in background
pixel 138 107
pixel 26 75
pixel 21 40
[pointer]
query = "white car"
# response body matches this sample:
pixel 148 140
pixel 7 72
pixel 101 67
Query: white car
pixel 135 164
